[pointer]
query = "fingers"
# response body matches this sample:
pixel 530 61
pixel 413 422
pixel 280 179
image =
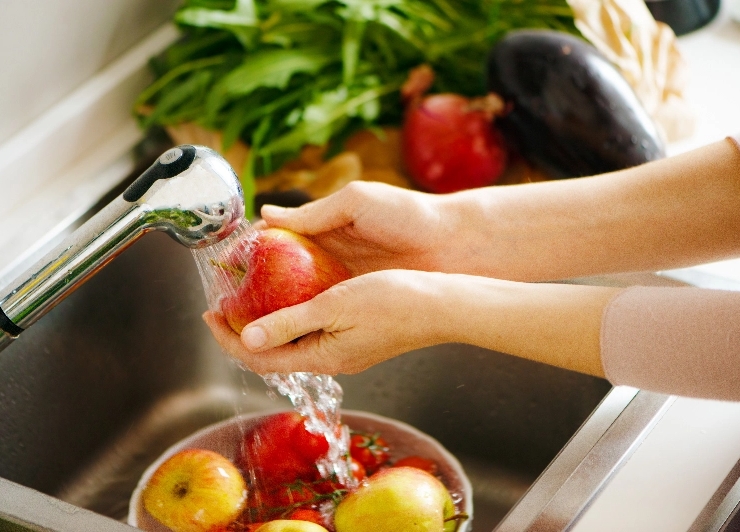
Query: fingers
pixel 282 359
pixel 304 355
pixel 265 345
pixel 223 333
pixel 322 215
pixel 285 325
pixel 312 218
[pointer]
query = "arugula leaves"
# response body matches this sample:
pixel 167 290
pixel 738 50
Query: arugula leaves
pixel 280 74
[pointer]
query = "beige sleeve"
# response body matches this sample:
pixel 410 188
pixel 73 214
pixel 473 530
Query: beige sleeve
pixel 682 341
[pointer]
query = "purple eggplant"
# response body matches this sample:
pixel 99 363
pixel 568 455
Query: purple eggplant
pixel 572 112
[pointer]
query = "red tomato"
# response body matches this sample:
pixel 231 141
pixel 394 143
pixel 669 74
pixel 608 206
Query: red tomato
pixel 294 494
pixel 307 514
pixel 266 505
pixel 279 450
pixel 328 486
pixel 419 462
pixel 358 470
pixel 308 445
pixel 370 450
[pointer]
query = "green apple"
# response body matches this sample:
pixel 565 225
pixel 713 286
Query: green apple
pixel 290 525
pixel 397 499
pixel 195 490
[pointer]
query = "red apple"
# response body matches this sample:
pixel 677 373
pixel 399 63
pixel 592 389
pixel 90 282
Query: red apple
pixel 279 450
pixel 397 498
pixel 281 269
pixel 195 490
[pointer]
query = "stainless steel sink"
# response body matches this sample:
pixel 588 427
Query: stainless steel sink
pixel 124 367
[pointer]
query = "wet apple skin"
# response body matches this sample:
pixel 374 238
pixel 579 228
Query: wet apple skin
pixel 283 269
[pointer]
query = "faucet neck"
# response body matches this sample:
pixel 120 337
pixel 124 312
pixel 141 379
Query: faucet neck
pixel 7 325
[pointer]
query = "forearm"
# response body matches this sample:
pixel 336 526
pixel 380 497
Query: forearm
pixel 670 213
pixel 557 324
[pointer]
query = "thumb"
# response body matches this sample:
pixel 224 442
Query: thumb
pixel 319 216
pixel 285 325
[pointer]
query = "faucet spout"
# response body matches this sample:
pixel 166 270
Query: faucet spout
pixel 190 192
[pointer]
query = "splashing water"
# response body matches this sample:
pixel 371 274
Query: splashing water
pixel 317 397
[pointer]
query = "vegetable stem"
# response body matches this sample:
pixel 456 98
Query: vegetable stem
pixel 176 72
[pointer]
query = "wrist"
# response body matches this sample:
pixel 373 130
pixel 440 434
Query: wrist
pixel 557 324
pixel 473 233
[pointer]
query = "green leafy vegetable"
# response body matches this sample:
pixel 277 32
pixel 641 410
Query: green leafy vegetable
pixel 280 74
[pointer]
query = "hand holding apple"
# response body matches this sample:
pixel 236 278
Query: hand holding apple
pixel 195 490
pixel 278 268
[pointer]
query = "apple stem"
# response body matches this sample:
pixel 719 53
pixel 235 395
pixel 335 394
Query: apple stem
pixel 459 518
pixel 228 268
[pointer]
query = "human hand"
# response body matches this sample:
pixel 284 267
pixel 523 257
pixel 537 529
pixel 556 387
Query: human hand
pixel 345 329
pixel 372 226
pixel 376 316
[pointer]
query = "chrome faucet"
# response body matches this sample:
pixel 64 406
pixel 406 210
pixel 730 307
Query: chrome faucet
pixel 190 192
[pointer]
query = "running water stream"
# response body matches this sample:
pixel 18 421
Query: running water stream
pixel 319 398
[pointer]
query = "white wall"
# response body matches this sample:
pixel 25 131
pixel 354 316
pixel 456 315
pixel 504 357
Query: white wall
pixel 50 47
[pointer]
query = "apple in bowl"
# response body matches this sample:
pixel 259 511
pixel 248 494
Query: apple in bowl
pixel 398 498
pixel 195 490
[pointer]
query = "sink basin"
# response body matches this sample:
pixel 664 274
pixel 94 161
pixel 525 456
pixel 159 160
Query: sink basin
pixel 124 367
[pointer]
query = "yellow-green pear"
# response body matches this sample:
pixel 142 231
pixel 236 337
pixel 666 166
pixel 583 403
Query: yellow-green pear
pixel 397 499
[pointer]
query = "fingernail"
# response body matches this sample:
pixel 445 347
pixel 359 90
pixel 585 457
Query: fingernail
pixel 254 337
